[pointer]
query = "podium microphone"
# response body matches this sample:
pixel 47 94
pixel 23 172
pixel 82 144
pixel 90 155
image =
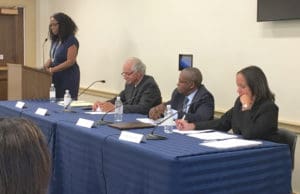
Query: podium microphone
pixel 102 81
pixel 66 108
pixel 152 136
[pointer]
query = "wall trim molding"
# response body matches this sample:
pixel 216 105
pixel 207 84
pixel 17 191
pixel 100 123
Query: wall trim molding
pixel 290 125
pixel 98 93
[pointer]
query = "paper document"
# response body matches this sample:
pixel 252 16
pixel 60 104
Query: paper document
pixel 154 122
pixel 146 120
pixel 192 131
pixel 77 103
pixel 98 112
pixel 231 143
pixel 212 135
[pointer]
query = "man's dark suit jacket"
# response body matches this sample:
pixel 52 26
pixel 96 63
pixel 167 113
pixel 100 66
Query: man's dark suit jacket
pixel 201 108
pixel 258 123
pixel 142 98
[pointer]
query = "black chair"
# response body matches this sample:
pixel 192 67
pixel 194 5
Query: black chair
pixel 290 138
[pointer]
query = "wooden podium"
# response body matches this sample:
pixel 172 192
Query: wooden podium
pixel 27 83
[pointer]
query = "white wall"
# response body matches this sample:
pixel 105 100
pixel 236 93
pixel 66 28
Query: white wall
pixel 42 23
pixel 222 35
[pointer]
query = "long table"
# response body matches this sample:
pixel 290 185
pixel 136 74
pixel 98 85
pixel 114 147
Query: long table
pixel 94 160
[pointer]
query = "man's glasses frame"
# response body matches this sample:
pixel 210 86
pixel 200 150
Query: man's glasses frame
pixel 127 73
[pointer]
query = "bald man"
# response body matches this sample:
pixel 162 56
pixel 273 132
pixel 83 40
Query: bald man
pixel 141 91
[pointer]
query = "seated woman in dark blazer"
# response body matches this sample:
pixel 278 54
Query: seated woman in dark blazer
pixel 254 114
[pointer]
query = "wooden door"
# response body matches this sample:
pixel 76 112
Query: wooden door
pixel 11 36
pixel 11 43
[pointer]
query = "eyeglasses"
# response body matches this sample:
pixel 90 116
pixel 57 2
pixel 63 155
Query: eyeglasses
pixel 127 73
pixel 183 81
pixel 53 24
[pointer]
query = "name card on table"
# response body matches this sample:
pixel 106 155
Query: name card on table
pixel 85 123
pixel 132 137
pixel 41 111
pixel 20 104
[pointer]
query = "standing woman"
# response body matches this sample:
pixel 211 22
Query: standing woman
pixel 64 49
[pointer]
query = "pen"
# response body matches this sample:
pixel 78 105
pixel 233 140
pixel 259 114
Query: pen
pixel 183 117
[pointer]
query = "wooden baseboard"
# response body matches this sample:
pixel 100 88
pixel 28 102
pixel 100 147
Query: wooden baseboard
pixel 293 126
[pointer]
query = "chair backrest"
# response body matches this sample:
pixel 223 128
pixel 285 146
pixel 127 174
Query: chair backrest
pixel 290 138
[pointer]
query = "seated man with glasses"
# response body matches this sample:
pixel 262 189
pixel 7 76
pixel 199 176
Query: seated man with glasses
pixel 141 91
pixel 191 99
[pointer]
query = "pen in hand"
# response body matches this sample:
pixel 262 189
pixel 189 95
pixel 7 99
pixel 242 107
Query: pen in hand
pixel 183 118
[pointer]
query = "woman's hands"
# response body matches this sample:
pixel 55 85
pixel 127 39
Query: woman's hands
pixel 246 101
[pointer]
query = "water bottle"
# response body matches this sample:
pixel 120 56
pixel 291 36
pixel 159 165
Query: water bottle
pixel 67 100
pixel 52 93
pixel 168 124
pixel 118 110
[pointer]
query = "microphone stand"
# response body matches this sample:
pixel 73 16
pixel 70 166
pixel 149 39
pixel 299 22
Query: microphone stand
pixel 152 136
pixel 102 81
pixel 66 108
pixel 103 122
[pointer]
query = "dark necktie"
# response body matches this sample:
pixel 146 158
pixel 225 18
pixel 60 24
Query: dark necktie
pixel 133 93
pixel 185 105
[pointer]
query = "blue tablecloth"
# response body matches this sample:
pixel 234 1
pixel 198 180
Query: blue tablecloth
pixel 179 165
pixel 8 109
pixel 95 161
